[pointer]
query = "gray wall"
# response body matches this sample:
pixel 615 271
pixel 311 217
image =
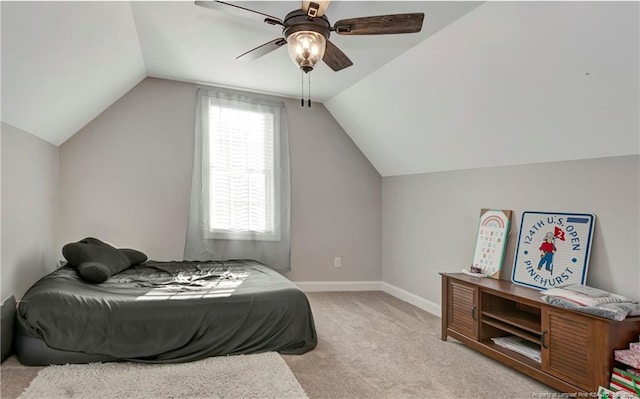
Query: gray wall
pixel 30 200
pixel 125 178
pixel 430 220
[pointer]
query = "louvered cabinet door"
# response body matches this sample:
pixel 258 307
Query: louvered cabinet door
pixel 570 342
pixel 463 311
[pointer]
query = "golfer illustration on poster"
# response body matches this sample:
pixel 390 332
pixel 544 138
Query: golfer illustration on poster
pixel 553 249
pixel 548 249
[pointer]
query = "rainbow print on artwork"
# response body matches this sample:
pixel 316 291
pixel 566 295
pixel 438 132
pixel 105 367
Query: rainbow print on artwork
pixel 493 221
pixel 493 232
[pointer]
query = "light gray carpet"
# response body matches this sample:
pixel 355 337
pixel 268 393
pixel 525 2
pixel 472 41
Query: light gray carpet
pixel 263 375
pixel 373 345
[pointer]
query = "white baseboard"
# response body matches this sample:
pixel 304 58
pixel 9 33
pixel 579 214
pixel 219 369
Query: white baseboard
pixel 335 286
pixel 413 299
pixel 328 286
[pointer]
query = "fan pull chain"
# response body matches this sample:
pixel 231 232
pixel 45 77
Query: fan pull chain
pixel 302 88
pixel 309 93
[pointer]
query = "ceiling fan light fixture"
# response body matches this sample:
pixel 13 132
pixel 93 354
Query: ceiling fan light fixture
pixel 306 31
pixel 306 48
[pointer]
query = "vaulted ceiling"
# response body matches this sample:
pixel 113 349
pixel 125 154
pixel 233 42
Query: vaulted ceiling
pixel 483 84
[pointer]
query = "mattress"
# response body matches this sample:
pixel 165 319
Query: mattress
pixel 163 312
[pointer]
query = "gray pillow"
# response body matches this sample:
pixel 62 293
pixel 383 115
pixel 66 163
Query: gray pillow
pixel 135 257
pixel 95 260
pixel 94 272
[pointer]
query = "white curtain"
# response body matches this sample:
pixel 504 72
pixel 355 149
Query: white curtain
pixel 273 253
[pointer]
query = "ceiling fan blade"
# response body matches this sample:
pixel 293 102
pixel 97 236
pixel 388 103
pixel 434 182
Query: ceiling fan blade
pixel 380 25
pixel 335 58
pixel 239 10
pixel 263 49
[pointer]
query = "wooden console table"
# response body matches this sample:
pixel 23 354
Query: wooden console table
pixel 576 348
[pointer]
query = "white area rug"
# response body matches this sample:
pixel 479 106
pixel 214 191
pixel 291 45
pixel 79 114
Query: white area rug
pixel 264 375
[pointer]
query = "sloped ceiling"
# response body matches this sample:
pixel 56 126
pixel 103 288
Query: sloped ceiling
pixel 509 83
pixel 65 62
pixel 484 84
pixel 181 41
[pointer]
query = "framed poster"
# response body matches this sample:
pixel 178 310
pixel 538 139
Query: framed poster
pixel 493 231
pixel 553 249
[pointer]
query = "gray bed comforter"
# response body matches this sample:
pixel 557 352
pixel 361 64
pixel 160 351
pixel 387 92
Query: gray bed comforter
pixel 164 312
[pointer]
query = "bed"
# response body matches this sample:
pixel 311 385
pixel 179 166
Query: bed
pixel 163 312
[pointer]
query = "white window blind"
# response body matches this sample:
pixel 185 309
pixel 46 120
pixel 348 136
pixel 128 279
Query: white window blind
pixel 240 173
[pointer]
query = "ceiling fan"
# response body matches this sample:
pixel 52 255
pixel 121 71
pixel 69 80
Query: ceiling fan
pixel 306 32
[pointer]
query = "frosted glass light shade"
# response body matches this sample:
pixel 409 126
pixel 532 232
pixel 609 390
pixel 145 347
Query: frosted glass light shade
pixel 306 48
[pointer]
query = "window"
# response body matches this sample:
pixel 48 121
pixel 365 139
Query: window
pixel 240 169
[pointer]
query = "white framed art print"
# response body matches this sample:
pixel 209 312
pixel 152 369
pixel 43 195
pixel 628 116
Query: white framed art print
pixel 553 249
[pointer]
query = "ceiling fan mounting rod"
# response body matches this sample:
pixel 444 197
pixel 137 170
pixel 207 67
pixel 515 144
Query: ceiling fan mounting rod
pixel 312 12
